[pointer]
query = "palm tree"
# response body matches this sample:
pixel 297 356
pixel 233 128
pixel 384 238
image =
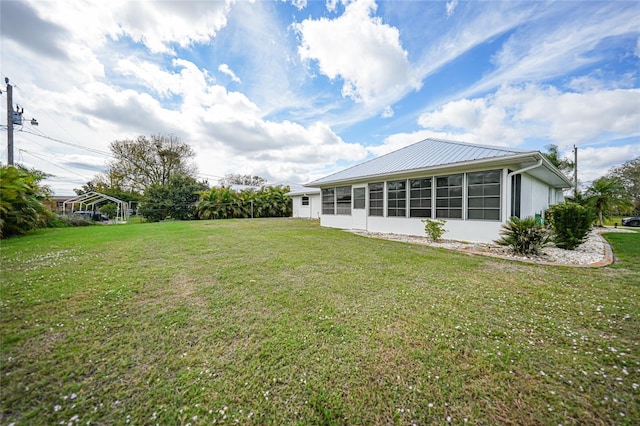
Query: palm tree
pixel 606 194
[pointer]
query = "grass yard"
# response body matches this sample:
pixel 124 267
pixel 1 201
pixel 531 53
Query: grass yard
pixel 283 322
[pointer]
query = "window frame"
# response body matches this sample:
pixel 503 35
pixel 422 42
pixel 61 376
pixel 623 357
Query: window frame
pixel 484 195
pixel 343 200
pixel 449 203
pixel 304 200
pixel 397 198
pixel 329 199
pixel 359 198
pixel 421 198
pixel 376 199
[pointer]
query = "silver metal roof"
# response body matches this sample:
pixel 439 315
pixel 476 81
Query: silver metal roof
pixel 421 155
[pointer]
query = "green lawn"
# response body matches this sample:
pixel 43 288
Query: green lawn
pixel 283 322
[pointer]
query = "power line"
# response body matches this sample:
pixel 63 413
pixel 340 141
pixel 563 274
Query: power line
pixel 49 162
pixel 93 150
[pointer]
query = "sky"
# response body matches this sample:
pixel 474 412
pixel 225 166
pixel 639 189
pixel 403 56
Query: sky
pixel 295 90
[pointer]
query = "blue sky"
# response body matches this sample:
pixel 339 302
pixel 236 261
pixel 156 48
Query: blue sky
pixel 295 90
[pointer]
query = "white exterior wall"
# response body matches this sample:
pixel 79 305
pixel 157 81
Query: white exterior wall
pixel 536 197
pixel 456 229
pixel 312 211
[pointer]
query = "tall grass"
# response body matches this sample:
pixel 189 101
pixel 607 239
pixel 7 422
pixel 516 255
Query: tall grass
pixel 282 322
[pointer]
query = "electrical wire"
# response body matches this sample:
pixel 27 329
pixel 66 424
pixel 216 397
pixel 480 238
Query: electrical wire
pixel 49 162
pixel 42 135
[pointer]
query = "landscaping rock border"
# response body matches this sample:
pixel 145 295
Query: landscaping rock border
pixel 595 252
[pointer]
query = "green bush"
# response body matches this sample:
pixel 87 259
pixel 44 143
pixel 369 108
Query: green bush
pixel 524 236
pixel 570 224
pixel 21 201
pixel 434 228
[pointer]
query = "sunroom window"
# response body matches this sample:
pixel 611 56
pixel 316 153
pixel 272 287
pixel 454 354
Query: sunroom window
pixel 483 195
pixel 449 197
pixel 420 197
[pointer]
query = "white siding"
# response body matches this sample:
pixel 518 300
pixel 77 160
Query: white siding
pixel 535 197
pixel 312 211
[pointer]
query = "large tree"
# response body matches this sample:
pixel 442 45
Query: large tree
pixel 628 174
pixel 143 162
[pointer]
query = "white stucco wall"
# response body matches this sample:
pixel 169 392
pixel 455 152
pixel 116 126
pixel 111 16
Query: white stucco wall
pixel 312 211
pixel 536 197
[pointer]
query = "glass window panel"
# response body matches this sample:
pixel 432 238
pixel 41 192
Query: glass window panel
pixel 455 191
pixel 492 176
pixel 475 191
pixel 492 202
pixel 475 214
pixel 420 212
pixel 492 214
pixel 455 213
pixel 455 202
pixel 492 189
pixel 455 180
pixel 483 192
pixel 475 202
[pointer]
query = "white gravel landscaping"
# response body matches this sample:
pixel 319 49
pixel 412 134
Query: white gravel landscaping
pixel 595 251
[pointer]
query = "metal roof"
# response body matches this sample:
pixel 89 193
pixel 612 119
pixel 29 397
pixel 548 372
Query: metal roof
pixel 421 155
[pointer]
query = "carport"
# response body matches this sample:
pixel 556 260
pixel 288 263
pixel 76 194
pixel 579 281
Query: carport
pixel 90 200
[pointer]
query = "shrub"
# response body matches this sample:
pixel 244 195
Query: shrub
pixel 570 224
pixel 434 228
pixel 21 201
pixel 524 236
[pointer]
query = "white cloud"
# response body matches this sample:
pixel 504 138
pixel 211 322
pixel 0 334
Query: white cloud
pixel 361 50
pixel 451 7
pixel 299 4
pixel 332 5
pixel 596 162
pixel 539 52
pixel 224 69
pixel 514 114
pixel 387 112
pixel 159 24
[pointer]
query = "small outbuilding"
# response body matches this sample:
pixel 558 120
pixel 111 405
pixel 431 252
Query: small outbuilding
pixel 474 188
pixel 306 201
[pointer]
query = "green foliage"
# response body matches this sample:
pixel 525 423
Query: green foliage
pixel 524 236
pixel 628 174
pixel 59 221
pixel 570 224
pixel 143 162
pixel 606 195
pixel 176 200
pixel 21 201
pixel 434 228
pixel 553 155
pixel 109 209
pixel 225 203
pixel 238 179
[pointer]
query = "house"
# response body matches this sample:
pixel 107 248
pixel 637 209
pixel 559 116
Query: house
pixel 474 188
pixel 306 201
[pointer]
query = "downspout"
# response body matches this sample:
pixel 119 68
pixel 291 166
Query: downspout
pixel 518 172
pixel 526 169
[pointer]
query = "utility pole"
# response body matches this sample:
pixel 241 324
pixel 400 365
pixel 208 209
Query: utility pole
pixel 13 118
pixel 575 172
pixel 9 122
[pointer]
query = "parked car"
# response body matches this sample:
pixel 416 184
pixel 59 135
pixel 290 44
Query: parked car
pixel 95 216
pixel 631 221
